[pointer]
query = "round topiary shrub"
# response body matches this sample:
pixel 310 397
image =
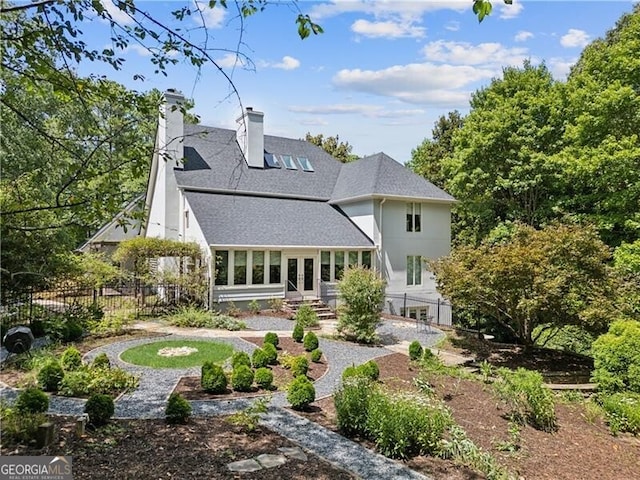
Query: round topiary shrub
pixel 271 353
pixel 242 378
pixel 101 361
pixel 178 409
pixel 310 341
pixel 50 376
pixel 298 333
pixel 259 358
pixel 301 393
pixel 300 366
pixel 71 359
pixel 415 350
pixel 370 370
pixel 32 400
pixel 212 378
pixel 100 409
pixel 240 358
pixel 316 355
pixel 264 378
pixel 73 331
pixel 351 371
pixel 271 338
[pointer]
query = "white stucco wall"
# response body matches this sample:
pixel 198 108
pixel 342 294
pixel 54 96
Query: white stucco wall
pixel 361 213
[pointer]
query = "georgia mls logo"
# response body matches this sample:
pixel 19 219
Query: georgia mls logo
pixel 36 468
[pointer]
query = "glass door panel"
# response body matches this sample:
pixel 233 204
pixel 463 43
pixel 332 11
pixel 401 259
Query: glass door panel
pixel 308 274
pixel 292 274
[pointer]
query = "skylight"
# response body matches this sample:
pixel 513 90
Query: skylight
pixel 305 164
pixel 288 162
pixel 271 160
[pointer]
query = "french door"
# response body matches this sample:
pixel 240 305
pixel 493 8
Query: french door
pixel 301 278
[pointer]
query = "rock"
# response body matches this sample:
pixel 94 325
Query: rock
pixel 244 466
pixel 295 452
pixel 270 461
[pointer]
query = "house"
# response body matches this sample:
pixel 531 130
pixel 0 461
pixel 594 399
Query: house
pixel 281 218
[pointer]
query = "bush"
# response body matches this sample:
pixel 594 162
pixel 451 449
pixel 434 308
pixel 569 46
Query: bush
pixel 352 405
pixel 271 353
pixel 101 361
pixel 300 366
pixel 71 359
pixel 77 384
pixel 530 401
pixel 89 381
pixel 271 338
pixel 50 376
pixel 259 358
pixel 316 355
pixel 298 332
pixel 242 378
pixel 264 378
pixel 623 412
pixel 616 356
pixel 570 338
pixel 362 293
pixel 32 400
pixel 100 409
pixel 114 323
pixel 276 304
pixel 17 426
pixel 306 316
pixel 194 317
pixel 212 378
pixel 240 358
pixel 368 370
pixel 178 409
pixel 254 306
pixel 415 350
pixel 301 393
pixel 232 310
pixel 310 341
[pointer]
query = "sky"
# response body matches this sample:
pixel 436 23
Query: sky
pixel 378 77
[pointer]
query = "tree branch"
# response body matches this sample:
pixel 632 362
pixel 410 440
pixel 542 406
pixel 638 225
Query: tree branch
pixel 26 6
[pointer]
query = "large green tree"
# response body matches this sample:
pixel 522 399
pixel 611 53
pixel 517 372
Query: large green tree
pixel 333 146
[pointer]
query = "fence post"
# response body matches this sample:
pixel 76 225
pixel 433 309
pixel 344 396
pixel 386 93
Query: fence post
pixel 404 305
pixel 31 306
pixel 438 317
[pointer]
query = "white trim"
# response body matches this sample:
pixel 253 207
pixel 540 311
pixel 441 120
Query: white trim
pixel 250 193
pixel 282 247
pixel 403 198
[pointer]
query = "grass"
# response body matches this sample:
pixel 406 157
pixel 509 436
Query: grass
pixel 147 354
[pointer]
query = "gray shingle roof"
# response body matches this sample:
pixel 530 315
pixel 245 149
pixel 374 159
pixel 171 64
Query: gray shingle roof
pixel 381 175
pixel 267 221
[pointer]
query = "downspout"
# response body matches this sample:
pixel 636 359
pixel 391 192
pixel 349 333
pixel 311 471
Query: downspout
pixel 382 262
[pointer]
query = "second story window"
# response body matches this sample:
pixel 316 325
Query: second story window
pixel 414 213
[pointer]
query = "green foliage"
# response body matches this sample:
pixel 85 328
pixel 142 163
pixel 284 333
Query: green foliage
pixel 362 293
pixel 71 359
pixel 352 405
pixel 341 151
pixel 301 393
pixel 310 341
pixel 242 378
pixel 298 332
pixel 50 376
pixel 316 355
pixel 627 265
pixel 195 317
pixel 17 426
pixel 213 378
pixel 250 416
pixel 275 304
pixel 100 409
pixel 254 307
pixel 570 338
pixel 136 251
pixel 623 412
pixel 299 366
pixel 368 370
pixel 487 371
pixel 270 353
pixel 86 381
pixel 101 361
pixel 112 324
pixel 178 409
pixel 240 358
pixel 232 310
pixel 528 399
pixel 306 316
pixel 264 378
pixel 271 338
pixel 415 350
pixel 616 357
pixel 32 400
pixel 150 355
pixel 259 358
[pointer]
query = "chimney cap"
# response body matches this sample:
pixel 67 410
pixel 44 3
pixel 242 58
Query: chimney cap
pixel 249 109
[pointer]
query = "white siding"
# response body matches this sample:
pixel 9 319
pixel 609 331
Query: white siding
pixel 362 214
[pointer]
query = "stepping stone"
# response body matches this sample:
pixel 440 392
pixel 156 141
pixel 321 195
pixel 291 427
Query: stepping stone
pixel 295 452
pixel 245 466
pixel 270 461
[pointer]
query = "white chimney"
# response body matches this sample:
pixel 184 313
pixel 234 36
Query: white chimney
pixel 250 136
pixel 171 127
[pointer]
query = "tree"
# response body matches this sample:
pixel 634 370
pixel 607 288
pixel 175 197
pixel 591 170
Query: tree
pixel 428 157
pixel 627 265
pixel 333 146
pixel 554 276
pixel 362 294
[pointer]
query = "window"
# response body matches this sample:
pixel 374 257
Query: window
pixel 271 160
pixel 414 211
pixel 257 276
pixel 414 270
pixel 240 267
pixel 305 164
pixel 339 265
pixel 353 259
pixel 288 162
pixel 222 267
pixel 274 267
pixel 366 259
pixel 325 266
pixel 186 219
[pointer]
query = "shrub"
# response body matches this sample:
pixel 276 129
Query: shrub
pixel 212 378
pixel 71 359
pixel 114 323
pixel 530 401
pixel 298 333
pixel 264 378
pixel 287 360
pixel 89 380
pixel 17 426
pixel 301 393
pixel 32 400
pixel 275 304
pixel 73 331
pixel 259 358
pixel 101 361
pixel 310 341
pixel 362 293
pixel 271 338
pixel 254 306
pixel 623 412
pixel 316 355
pixel 300 366
pixel 100 409
pixel 352 405
pixel 194 317
pixel 415 350
pixel 616 356
pixel 178 409
pixel 368 370
pixel 270 353
pixel 227 323
pixel 232 310
pixel 240 358
pixel 306 316
pixel 242 378
pixel 76 384
pixel 50 376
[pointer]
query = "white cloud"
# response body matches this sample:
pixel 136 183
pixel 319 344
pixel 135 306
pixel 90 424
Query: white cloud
pixel 287 63
pixel 313 122
pixel 560 67
pixel 231 60
pixel 371 111
pixel 464 53
pixel 413 9
pixel 117 15
pixel 574 38
pixel 523 36
pixel 209 17
pixel 387 29
pixel 452 26
pixel 507 12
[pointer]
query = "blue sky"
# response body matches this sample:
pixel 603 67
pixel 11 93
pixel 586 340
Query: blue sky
pixel 380 75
